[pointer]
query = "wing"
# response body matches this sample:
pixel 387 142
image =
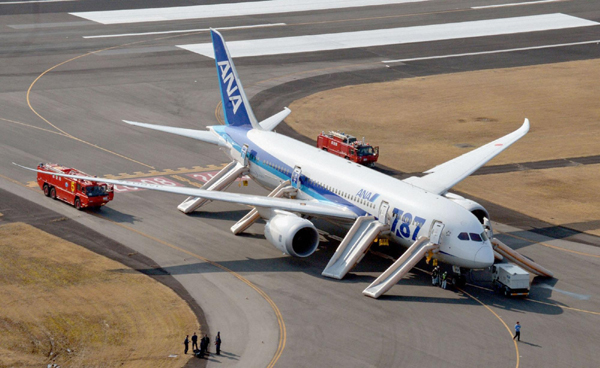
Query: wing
pixel 201 135
pixel 443 177
pixel 305 207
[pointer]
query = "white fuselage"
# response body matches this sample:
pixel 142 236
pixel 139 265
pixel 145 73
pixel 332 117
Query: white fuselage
pixel 273 157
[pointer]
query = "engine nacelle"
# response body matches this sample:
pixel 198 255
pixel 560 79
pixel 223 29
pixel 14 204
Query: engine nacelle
pixel 292 235
pixel 475 208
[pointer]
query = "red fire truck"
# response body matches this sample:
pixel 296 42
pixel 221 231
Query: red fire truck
pixel 79 193
pixel 349 147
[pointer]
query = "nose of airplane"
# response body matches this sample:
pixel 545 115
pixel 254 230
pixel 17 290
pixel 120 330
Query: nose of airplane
pixel 484 256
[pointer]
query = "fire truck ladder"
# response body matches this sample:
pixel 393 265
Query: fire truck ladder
pixel 400 268
pixel 519 259
pixel 253 215
pixel 219 182
pixel 354 246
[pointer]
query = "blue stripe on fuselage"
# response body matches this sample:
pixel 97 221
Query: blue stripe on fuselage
pixel 238 136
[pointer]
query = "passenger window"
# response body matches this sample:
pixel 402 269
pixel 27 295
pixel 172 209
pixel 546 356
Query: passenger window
pixel 463 236
pixel 475 237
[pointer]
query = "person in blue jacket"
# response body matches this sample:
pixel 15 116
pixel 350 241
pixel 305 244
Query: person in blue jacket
pixel 517 331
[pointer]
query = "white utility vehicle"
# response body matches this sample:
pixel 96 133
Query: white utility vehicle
pixel 510 279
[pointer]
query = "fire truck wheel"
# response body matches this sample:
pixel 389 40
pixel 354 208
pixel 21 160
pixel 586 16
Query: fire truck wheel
pixel 46 190
pixel 325 149
pixel 78 203
pixel 53 193
pixel 346 158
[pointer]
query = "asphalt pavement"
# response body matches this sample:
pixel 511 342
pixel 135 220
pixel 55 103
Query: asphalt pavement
pixel 67 86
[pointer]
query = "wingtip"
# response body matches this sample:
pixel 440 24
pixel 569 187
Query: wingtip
pixel 132 122
pixel 526 125
pixel 23 167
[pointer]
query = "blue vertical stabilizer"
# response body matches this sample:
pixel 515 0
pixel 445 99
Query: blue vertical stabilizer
pixel 236 108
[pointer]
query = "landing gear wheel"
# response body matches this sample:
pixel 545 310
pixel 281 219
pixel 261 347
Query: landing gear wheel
pixel 78 204
pixel 461 281
pixel 46 190
pixel 53 193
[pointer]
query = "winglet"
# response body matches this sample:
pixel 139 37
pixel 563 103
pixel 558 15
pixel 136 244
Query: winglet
pixel 236 108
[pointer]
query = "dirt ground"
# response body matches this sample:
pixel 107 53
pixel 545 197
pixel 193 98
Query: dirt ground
pixel 422 122
pixel 64 304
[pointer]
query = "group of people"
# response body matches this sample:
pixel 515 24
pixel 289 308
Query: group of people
pixel 202 350
pixel 438 279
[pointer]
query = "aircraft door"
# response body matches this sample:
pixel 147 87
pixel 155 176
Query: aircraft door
pixel 436 232
pixel 244 155
pixel 383 211
pixel 296 177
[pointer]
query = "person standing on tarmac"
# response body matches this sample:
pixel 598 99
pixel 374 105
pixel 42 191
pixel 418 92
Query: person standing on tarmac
pixel 186 343
pixel 194 342
pixel 517 331
pixel 444 277
pixel 435 275
pixel 202 346
pixel 218 343
pixel 207 342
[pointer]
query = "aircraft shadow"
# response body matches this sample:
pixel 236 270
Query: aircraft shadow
pixel 427 299
pixel 234 216
pixel 414 278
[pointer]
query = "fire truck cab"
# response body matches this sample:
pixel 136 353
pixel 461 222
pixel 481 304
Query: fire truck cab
pixel 347 146
pixel 79 193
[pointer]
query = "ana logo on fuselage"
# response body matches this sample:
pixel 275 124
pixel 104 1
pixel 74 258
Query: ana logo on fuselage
pixel 369 196
pixel 229 80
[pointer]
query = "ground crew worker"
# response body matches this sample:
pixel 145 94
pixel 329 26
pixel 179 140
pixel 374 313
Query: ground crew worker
pixel 202 347
pixel 517 331
pixel 186 343
pixel 435 275
pixel 444 277
pixel 218 343
pixel 207 342
pixel 194 342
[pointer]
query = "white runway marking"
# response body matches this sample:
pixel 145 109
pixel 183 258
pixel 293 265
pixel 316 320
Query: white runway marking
pixel 516 4
pixel 226 10
pixel 186 30
pixel 493 51
pixel 394 36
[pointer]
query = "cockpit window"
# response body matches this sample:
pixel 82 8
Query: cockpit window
pixel 475 237
pixel 463 236
pixel 484 236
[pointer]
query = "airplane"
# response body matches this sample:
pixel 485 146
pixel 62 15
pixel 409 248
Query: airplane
pixel 418 213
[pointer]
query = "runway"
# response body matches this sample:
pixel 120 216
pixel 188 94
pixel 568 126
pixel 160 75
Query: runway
pixel 67 85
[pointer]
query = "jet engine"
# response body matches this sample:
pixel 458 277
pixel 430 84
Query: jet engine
pixel 292 235
pixel 475 208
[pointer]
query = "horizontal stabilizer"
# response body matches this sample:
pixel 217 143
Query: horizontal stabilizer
pixel 273 121
pixel 201 135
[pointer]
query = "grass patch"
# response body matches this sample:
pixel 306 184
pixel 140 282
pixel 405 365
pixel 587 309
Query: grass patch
pixel 61 303
pixel 422 122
